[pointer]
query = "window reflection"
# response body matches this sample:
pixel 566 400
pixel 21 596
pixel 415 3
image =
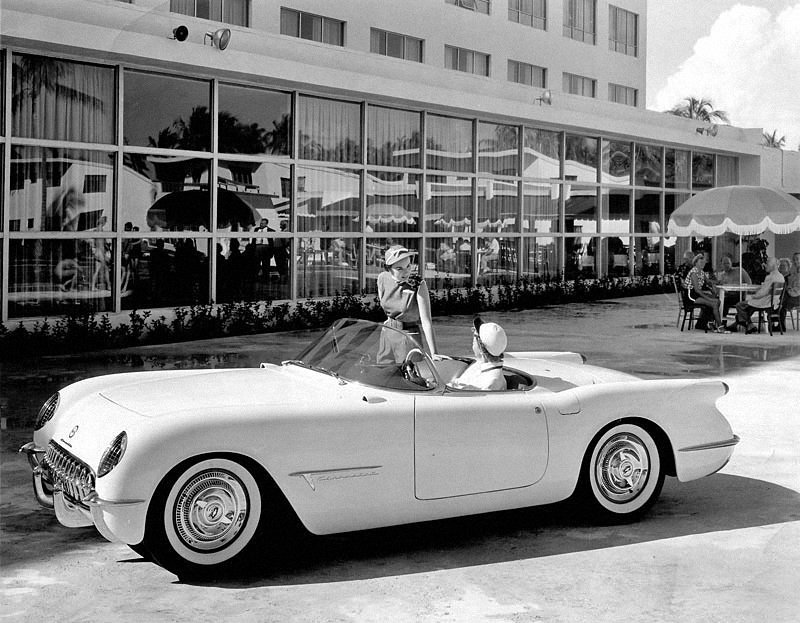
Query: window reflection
pixel 615 251
pixel 616 225
pixel 616 162
pixel 497 260
pixel 254 121
pixel 253 269
pixel 163 272
pixel 448 203
pixel 327 266
pixel 498 205
pixel 449 144
pixel 542 154
pixel 647 256
pixel 166 111
pixel 497 148
pixel 392 202
pixel 60 190
pixel 248 192
pixel 581 158
pixel 676 168
pixel 540 259
pixel 328 199
pixel 582 257
pixel 702 170
pixel 647 209
pixel 166 193
pixel 581 209
pixel 393 137
pixel 674 247
pixel 648 165
pixel 448 262
pixel 329 130
pixel 60 100
pixel 540 206
pixel 60 276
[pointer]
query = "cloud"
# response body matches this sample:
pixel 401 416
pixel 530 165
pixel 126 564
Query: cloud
pixel 749 66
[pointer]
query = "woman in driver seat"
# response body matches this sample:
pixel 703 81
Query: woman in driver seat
pixel 489 342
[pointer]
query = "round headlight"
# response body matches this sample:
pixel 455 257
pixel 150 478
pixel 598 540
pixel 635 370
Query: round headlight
pixel 113 454
pixel 47 411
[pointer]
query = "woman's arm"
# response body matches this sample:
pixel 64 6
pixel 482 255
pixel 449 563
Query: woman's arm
pixel 424 302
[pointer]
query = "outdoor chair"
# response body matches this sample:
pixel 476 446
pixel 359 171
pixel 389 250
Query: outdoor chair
pixel 685 305
pixel 772 314
pixel 793 313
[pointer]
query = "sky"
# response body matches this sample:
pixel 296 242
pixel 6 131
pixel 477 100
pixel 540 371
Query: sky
pixel 742 55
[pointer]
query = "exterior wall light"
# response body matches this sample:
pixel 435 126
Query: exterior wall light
pixel 219 38
pixel 180 33
pixel 711 131
pixel 546 98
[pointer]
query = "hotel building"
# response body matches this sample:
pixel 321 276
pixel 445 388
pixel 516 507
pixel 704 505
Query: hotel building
pixel 143 143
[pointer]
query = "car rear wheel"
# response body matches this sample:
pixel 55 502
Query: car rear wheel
pixel 623 473
pixel 204 518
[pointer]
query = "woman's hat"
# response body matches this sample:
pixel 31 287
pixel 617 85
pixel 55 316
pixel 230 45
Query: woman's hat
pixel 397 253
pixel 492 336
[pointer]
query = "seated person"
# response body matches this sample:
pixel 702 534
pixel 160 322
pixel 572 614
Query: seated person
pixel 703 296
pixel 760 299
pixel 490 252
pixel 728 275
pixel 792 299
pixel 489 341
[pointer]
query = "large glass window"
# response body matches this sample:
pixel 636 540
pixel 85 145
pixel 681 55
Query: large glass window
pixel 228 11
pixel 61 100
pixel 329 130
pixel 525 73
pixel 327 266
pixel 469 61
pixel 254 121
pixel 60 190
pixel 498 148
pixel 313 27
pixel 48 276
pixel 164 193
pixel 166 111
pixel 702 170
pixel 540 207
pixel 676 168
pixel 581 209
pixel 396 45
pixel 393 202
pixel 623 31
pixel 541 156
pixel 248 192
pixel 528 12
pixel 252 269
pixel 498 205
pixel 582 257
pixel 497 260
pixel 647 211
pixel 540 258
pixel 328 199
pixel 449 144
pixel 580 161
pixel 393 137
pixel 616 162
pixel 448 262
pixel 579 20
pixel 164 272
pixel 448 203
pixel 649 160
pixel 674 248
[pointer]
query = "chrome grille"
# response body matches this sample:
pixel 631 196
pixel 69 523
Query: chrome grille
pixel 67 473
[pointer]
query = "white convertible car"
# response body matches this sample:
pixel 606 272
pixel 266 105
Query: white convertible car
pixel 195 469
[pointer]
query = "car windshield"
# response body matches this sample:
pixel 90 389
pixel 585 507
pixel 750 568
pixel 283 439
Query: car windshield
pixel 371 353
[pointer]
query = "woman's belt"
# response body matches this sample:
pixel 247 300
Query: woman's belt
pixel 409 327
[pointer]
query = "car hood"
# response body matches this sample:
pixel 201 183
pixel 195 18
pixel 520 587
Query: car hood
pixel 165 393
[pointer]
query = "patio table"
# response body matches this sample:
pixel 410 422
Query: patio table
pixel 745 288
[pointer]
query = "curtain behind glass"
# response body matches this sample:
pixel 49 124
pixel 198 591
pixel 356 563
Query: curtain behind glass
pixel 184 7
pixel 393 137
pixel 449 143
pixel 235 12
pixel 727 170
pixel 60 100
pixel 330 130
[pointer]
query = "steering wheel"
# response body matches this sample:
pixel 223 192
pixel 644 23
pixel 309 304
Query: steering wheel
pixel 409 368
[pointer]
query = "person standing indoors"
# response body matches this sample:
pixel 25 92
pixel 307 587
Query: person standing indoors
pixel 760 299
pixel 405 299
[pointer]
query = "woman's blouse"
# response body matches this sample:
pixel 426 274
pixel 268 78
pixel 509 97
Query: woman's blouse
pixel 398 298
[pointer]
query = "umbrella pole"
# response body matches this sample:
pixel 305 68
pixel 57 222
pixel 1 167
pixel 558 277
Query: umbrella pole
pixel 740 262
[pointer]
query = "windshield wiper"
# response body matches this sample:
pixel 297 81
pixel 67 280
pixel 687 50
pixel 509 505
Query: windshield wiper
pixel 303 364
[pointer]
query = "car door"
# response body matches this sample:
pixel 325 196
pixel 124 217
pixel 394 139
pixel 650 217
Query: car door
pixel 468 442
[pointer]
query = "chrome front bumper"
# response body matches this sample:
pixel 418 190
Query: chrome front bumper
pixel 89 510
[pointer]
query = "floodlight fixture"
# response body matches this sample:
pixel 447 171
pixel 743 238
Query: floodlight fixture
pixel 219 38
pixel 545 98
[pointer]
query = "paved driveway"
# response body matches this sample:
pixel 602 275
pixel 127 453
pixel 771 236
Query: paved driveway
pixel 724 548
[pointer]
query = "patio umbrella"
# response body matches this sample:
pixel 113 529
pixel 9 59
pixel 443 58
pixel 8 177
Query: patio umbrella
pixel 743 210
pixel 192 208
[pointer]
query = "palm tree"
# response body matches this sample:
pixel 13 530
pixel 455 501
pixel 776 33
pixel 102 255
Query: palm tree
pixel 772 140
pixel 700 109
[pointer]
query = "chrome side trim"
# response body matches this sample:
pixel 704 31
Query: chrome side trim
pixel 713 445
pixel 314 477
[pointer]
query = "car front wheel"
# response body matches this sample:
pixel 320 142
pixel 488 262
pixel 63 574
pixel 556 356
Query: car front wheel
pixel 623 472
pixel 204 518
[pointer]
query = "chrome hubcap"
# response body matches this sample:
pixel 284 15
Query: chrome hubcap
pixel 622 468
pixel 211 510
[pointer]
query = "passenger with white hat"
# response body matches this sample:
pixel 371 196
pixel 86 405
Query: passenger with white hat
pixel 404 297
pixel 489 342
